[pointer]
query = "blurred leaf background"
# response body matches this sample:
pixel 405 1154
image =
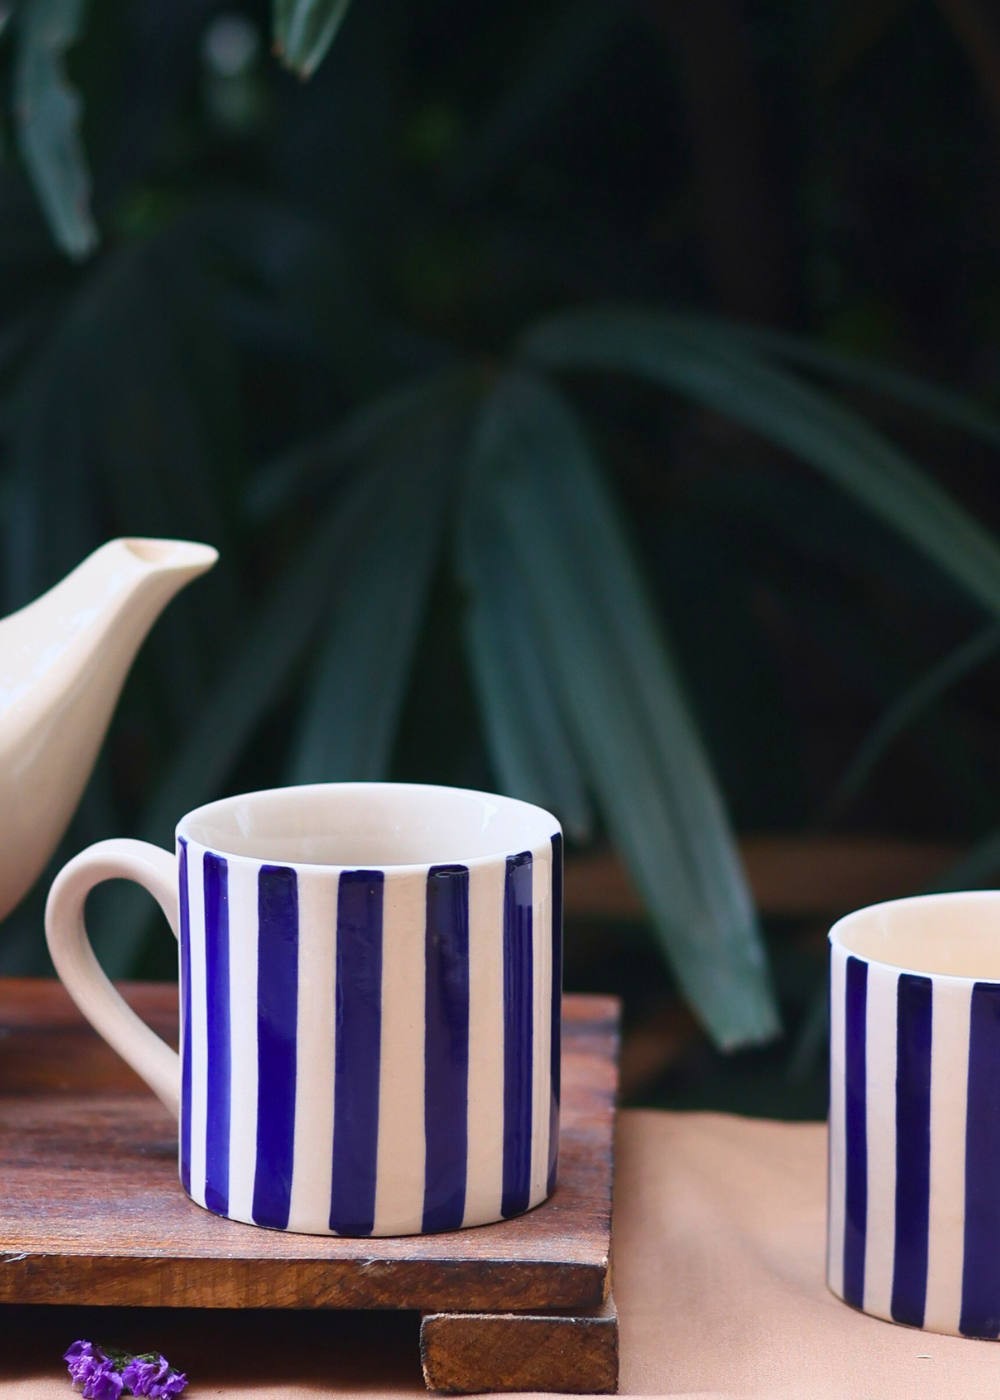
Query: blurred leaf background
pixel 590 400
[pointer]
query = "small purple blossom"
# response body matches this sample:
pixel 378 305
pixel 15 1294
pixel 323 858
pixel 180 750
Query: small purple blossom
pixel 83 1359
pixel 151 1375
pixel 143 1372
pixel 104 1382
pixel 104 1372
pixel 171 1387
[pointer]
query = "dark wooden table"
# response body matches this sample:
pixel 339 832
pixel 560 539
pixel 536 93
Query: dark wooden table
pixel 91 1211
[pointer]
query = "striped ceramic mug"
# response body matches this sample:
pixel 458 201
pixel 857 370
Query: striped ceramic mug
pixel 914 1203
pixel 370 998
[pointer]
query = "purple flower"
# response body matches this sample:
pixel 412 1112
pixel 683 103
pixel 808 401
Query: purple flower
pixel 151 1375
pixel 103 1383
pixel 173 1385
pixel 83 1359
pixel 143 1372
pixel 105 1372
pixel 78 1355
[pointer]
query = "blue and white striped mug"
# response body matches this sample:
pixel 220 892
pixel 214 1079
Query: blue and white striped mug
pixel 370 1001
pixel 914 1184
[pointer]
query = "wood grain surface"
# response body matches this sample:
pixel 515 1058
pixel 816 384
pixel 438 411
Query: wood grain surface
pixel 571 1354
pixel 91 1210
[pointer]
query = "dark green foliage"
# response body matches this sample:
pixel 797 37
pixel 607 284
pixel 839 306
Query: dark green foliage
pixel 48 112
pixel 617 685
pixel 622 560
pixel 304 30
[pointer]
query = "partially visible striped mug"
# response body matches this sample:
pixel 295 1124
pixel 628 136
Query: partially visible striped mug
pixel 370 979
pixel 914 1184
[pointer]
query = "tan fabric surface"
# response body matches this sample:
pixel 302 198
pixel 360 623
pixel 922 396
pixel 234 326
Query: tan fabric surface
pixel 719 1258
pixel 719 1244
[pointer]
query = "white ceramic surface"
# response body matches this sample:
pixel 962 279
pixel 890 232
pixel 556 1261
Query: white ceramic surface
pixel 63 660
pixel 914 1196
pixel 370 1003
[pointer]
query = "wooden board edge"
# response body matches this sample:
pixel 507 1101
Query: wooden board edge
pixel 563 1353
pixel 399 1285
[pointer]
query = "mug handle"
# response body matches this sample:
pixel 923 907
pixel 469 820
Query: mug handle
pixel 81 973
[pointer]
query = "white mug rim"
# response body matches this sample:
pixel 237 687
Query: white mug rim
pixel 957 897
pixel 539 825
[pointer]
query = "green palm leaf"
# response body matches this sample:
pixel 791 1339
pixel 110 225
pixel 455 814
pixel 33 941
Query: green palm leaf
pixel 798 417
pixel 619 689
pixel 531 747
pixel 304 30
pixel 353 708
pixel 47 110
pixel 929 398
pixel 373 428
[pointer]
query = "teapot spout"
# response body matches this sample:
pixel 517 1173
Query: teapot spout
pixel 182 559
pixel 63 662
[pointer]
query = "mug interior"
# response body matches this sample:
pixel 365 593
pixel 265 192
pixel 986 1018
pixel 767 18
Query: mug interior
pixel 361 824
pixel 952 935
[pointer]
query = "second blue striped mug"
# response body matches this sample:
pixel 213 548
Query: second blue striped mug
pixel 914 1199
pixel 370 980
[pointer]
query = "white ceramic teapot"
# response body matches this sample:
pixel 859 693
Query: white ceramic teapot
pixel 63 661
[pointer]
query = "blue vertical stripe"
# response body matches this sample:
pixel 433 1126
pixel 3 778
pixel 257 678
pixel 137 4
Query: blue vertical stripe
pixel 557 976
pixel 185 941
pixel 446 1046
pixel 518 1026
pixel 913 1147
pixel 277 1008
pixel 358 1051
pixel 216 881
pixel 855 1131
pixel 981 1267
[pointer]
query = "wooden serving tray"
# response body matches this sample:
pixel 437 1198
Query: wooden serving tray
pixel 91 1211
